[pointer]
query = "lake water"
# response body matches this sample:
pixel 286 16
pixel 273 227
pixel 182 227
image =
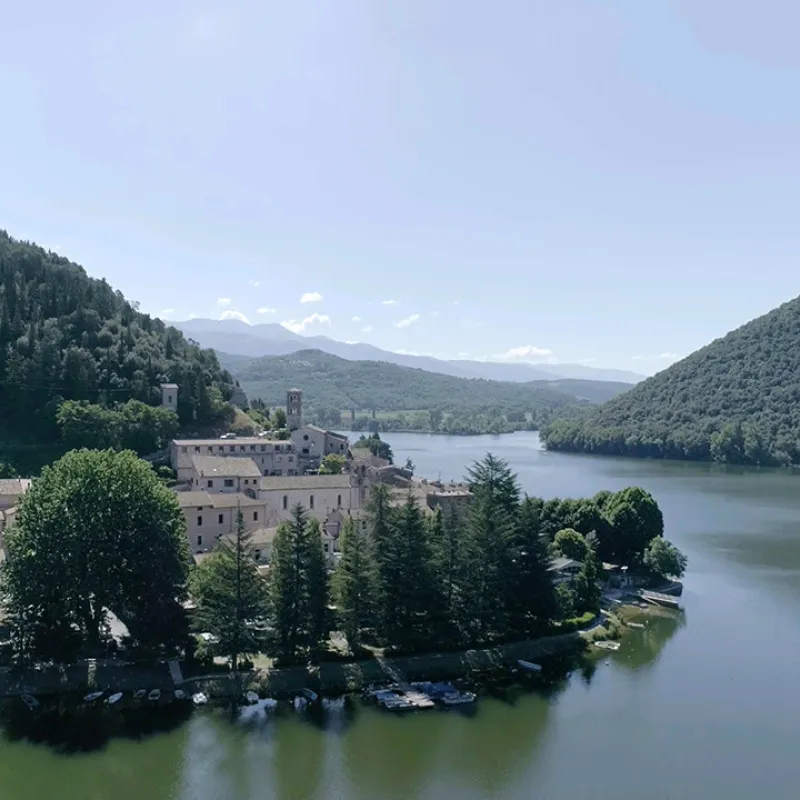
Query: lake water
pixel 708 707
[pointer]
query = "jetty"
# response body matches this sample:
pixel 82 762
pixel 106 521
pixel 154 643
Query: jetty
pixel 659 598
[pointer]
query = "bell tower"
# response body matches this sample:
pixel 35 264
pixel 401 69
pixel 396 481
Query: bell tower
pixel 294 409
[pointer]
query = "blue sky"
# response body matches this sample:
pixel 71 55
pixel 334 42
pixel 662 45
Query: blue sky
pixel 611 182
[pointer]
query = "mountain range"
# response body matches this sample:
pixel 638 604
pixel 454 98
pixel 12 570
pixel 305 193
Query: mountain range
pixel 238 339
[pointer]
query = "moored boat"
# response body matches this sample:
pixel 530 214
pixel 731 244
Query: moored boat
pixel 251 697
pixel 154 695
pixel 113 699
pixel 30 701
pixel 93 697
pixel 199 698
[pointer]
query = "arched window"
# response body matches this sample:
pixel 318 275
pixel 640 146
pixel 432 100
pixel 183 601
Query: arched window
pixel 285 502
pixel 311 501
pixel 338 501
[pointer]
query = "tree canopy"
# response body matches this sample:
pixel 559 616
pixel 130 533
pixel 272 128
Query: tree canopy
pixel 67 337
pixel 97 532
pixel 735 401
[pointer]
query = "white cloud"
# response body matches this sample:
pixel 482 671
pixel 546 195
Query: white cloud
pixel 526 352
pixel 356 319
pixel 659 357
pixel 366 329
pixel 300 327
pixel 433 314
pixel 311 297
pixel 166 312
pixel 405 323
pixel 390 302
pixel 456 302
pixel 224 301
pixel 254 283
pixel 463 355
pixel 232 313
pixel 265 310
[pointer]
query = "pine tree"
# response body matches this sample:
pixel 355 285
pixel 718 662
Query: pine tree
pixel 353 584
pixel 530 598
pixel 231 595
pixel 383 546
pixel 489 533
pixel 585 585
pixel 446 541
pixel 316 581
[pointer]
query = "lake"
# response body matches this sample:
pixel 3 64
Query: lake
pixel 704 707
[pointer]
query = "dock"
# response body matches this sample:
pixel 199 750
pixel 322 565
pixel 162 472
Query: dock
pixel 659 599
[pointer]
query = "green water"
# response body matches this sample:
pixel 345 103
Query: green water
pixel 706 708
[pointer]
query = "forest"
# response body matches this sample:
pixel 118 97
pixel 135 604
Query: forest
pixel 735 401
pixel 67 337
pixel 468 405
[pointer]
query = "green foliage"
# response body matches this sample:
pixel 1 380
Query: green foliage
pixel 353 584
pixel 97 531
pixel 297 586
pixel 126 426
pixel 7 471
pixel 335 383
pixel 734 401
pixel 585 585
pixel 376 446
pixel 333 464
pixel 65 336
pixel 278 419
pixel 571 544
pixel 231 596
pixel 664 560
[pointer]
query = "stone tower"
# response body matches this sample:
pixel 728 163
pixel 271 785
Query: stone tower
pixel 294 409
pixel 169 396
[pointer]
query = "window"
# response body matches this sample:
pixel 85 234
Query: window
pixel 210 483
pixel 220 519
pixel 341 447
pixel 338 501
pixel 169 399
pixel 311 501
pixel 184 449
pixel 291 458
pixel 325 547
pixel 252 448
pixel 255 516
pixel 199 541
pixel 258 555
pixel 305 451
pixel 232 448
pixel 229 482
pixel 199 521
pixel 263 449
pixel 246 481
pixel 305 437
pixel 197 449
pixel 242 449
pixel 285 502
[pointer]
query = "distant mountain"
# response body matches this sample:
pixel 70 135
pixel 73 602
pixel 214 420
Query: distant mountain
pixel 270 339
pixel 735 401
pixel 330 382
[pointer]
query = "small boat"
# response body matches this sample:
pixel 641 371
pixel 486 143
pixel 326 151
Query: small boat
pixel 391 701
pixel 310 695
pixel 154 695
pixel 30 701
pixel 180 694
pixel 458 698
pixel 92 697
pixel 200 698
pixel 140 694
pixel 606 645
pixel 529 666
pixel 300 703
pixel 251 697
pixel 636 625
pixel 113 699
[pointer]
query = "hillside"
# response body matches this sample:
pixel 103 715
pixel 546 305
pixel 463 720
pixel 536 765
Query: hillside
pixel 271 339
pixel 735 401
pixel 66 336
pixel 329 382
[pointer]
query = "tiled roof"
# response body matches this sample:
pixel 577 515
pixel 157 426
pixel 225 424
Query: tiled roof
pixel 212 500
pixel 209 466
pixel 303 482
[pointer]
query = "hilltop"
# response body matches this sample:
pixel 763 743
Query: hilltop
pixel 65 336
pixel 330 382
pixel 735 401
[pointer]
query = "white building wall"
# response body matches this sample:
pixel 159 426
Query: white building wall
pixel 317 502
pixel 204 524
pixel 271 457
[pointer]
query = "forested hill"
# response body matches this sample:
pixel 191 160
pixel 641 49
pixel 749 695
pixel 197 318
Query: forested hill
pixel 735 401
pixel 66 336
pixel 332 382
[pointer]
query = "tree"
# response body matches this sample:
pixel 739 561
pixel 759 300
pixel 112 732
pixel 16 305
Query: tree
pixel 278 419
pixel 377 446
pixel 634 521
pixel 409 465
pixel 490 529
pixel 664 560
pixel 571 544
pixel 585 585
pixel 97 532
pixel 333 464
pixel 316 586
pixel 531 599
pixel 380 520
pixel 445 536
pixel 353 583
pixel 231 595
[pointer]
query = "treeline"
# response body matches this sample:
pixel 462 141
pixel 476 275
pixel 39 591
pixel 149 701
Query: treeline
pixel 99 533
pixel 735 401
pixel 67 337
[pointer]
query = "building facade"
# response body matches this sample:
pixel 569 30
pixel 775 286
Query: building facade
pixel 169 396
pixel 312 444
pixel 294 409
pixel 272 457
pixel 320 495
pixel 231 475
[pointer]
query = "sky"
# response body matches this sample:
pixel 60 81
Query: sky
pixel 611 182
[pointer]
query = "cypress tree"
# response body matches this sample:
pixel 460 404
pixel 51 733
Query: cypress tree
pixel 316 583
pixel 353 584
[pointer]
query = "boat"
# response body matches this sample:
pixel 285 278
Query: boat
pixel 529 666
pixel 92 697
pixel 458 698
pixel 605 645
pixel 30 701
pixel 251 697
pixel 200 698
pixel 180 694
pixel 636 625
pixel 154 695
pixel 113 699
pixel 270 703
pixel 392 701
pixel 140 694
pixel 299 702
pixel 310 695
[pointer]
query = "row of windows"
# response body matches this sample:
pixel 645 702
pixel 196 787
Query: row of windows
pixel 243 448
pixel 221 519
pixel 311 501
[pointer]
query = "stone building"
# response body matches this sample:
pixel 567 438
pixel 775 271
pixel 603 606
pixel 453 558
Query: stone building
pixel 273 457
